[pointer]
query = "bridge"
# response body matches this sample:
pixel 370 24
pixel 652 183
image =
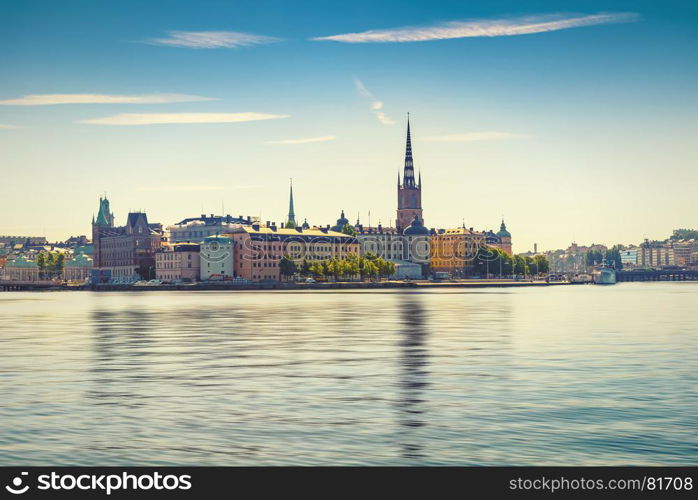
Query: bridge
pixel 657 275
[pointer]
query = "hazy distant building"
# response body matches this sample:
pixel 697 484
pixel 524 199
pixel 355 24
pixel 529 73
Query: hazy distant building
pixel 628 258
pixel 22 241
pixel 685 252
pixel 196 229
pixel 655 254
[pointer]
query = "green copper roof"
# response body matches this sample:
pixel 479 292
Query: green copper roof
pixel 104 217
pixel 503 233
pixel 80 260
pixel 21 261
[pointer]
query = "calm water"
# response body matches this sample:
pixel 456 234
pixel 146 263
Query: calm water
pixel 562 375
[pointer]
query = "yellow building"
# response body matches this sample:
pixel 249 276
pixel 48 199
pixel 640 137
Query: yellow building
pixel 453 250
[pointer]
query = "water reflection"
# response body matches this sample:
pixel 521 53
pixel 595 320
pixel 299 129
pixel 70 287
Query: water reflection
pixel 121 356
pixel 573 375
pixel 413 377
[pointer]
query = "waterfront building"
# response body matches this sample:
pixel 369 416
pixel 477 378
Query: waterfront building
pixel 125 252
pixel 178 262
pixel 407 245
pixel 410 247
pixel 453 251
pixel 196 229
pixel 216 258
pixel 685 252
pixel 409 191
pixel 78 268
pixel 21 269
pixel 407 270
pixel 628 257
pixel 655 254
pixel 259 249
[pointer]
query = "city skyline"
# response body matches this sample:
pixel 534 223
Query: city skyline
pixel 560 120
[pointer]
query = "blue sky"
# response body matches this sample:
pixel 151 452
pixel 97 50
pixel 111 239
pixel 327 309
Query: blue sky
pixel 583 132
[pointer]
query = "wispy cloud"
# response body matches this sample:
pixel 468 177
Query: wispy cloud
pixel 50 99
pixel 8 127
pixel 486 28
pixel 166 118
pixel 376 105
pixel 304 141
pixel 171 188
pixel 474 136
pixel 211 39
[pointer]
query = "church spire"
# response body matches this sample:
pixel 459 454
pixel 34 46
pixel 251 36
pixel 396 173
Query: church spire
pixel 104 216
pixel 408 177
pixel 291 222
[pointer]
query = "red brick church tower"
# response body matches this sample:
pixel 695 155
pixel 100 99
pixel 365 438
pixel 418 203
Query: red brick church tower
pixel 409 193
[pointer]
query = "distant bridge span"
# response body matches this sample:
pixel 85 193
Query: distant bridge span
pixel 657 275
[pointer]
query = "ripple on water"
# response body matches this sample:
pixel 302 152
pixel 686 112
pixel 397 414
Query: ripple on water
pixel 524 377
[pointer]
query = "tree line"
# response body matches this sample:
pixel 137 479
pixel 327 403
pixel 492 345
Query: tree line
pixel 366 266
pixel 496 261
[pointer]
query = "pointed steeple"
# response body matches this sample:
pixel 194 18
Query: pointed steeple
pixel 408 177
pixel 104 216
pixel 291 222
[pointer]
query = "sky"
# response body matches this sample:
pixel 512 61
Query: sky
pixel 575 121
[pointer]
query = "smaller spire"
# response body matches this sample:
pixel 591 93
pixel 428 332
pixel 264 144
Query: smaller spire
pixel 291 221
